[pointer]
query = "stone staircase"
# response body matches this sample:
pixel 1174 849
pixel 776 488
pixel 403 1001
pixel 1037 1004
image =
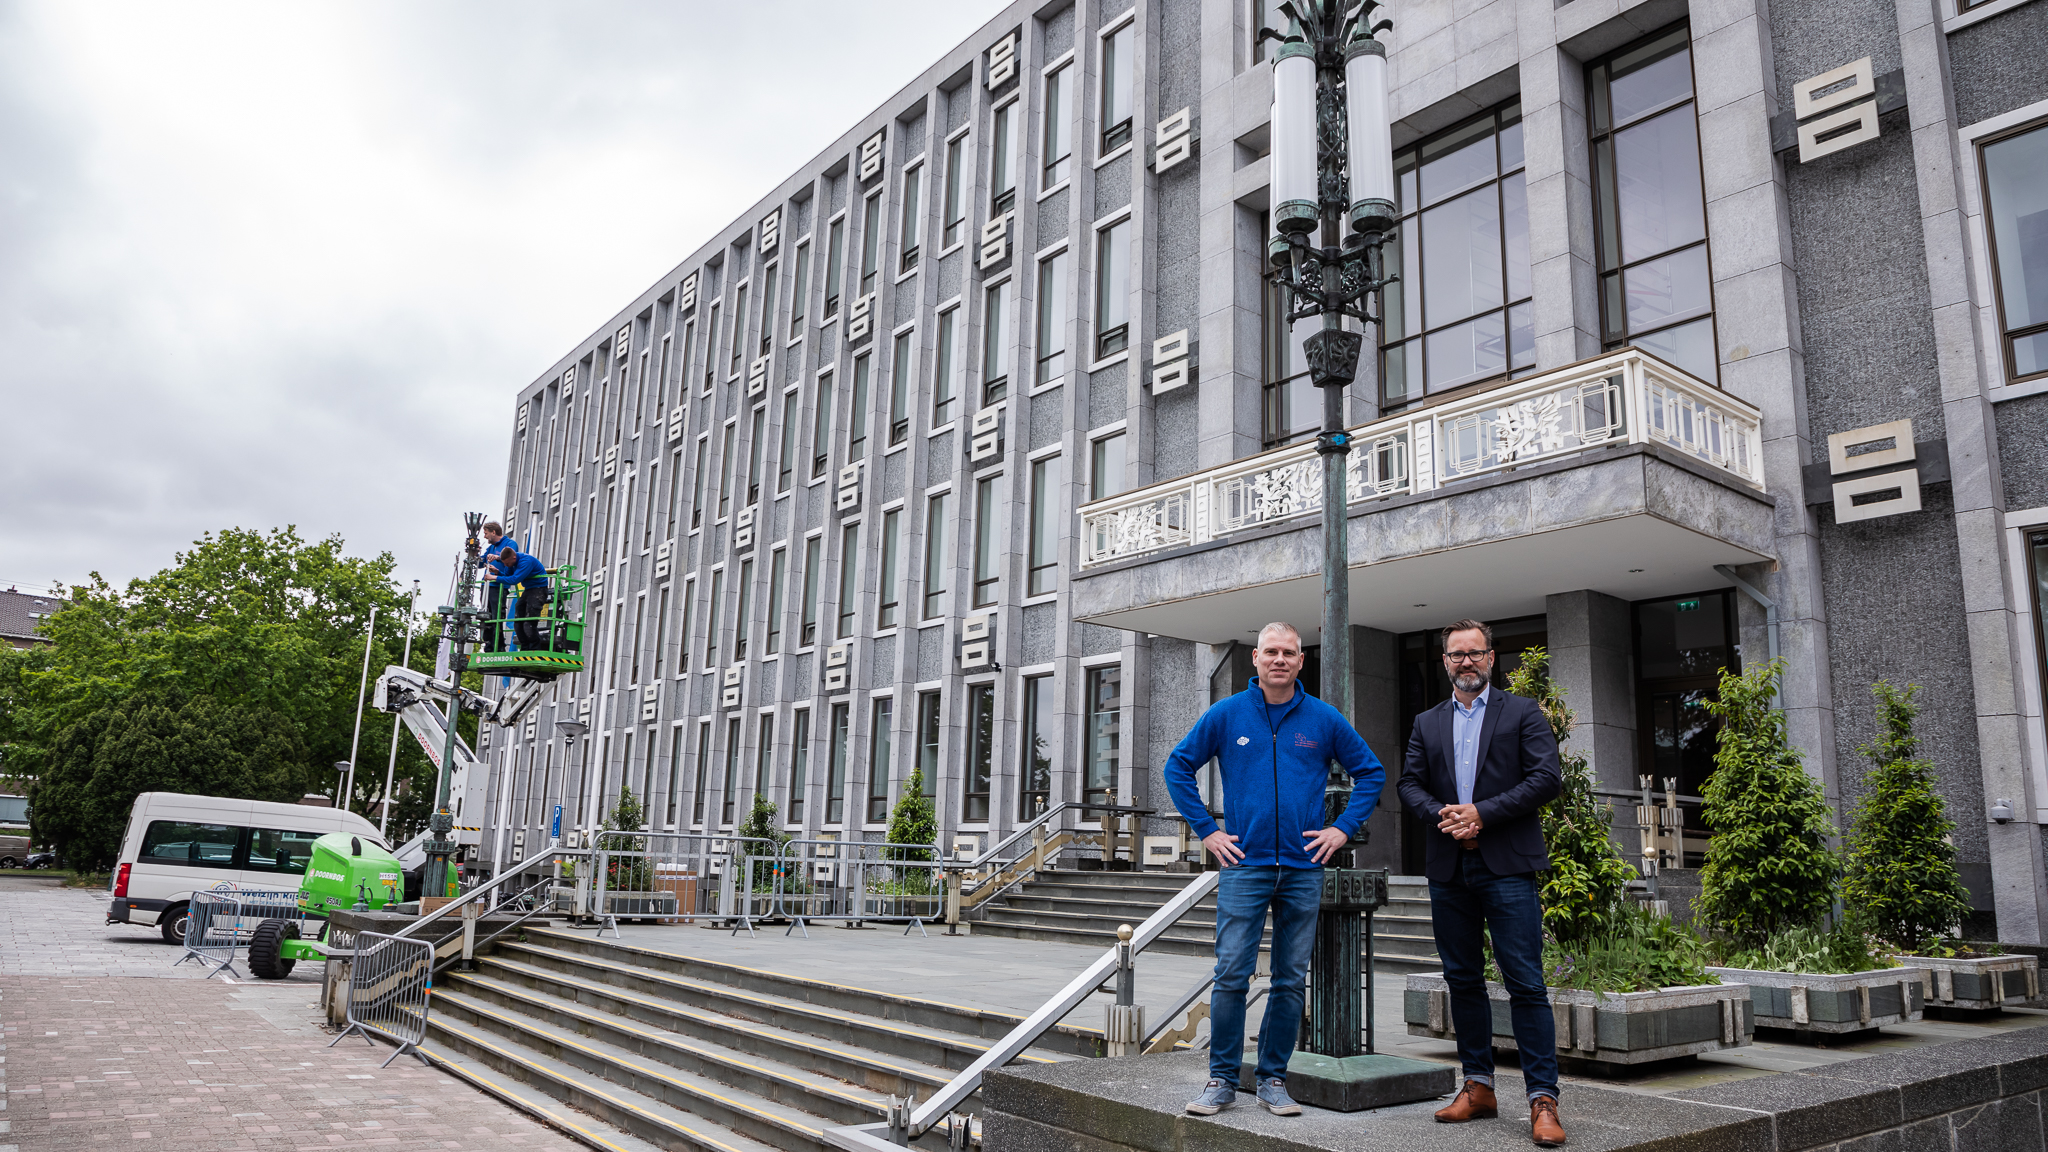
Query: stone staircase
pixel 1077 907
pixel 631 1049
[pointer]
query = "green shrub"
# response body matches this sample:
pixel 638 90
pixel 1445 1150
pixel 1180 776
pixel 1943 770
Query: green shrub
pixel 629 873
pixel 1770 866
pixel 1805 950
pixel 762 824
pixel 1638 950
pixel 913 822
pixel 1902 880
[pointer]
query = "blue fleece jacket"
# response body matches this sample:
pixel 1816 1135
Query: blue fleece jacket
pixel 529 571
pixel 1275 762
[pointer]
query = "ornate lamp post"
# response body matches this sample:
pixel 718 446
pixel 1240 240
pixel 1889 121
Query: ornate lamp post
pixel 458 627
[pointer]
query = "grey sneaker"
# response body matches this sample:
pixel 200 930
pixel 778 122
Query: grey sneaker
pixel 1215 1097
pixel 1273 1098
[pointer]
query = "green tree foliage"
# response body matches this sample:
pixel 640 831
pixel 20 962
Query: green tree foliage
pixel 1582 889
pixel 1902 880
pixel 632 873
pixel 764 822
pixel 913 821
pixel 233 672
pixel 1770 866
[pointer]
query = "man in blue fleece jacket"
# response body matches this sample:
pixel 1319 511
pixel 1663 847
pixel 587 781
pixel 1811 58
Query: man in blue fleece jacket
pixel 1274 743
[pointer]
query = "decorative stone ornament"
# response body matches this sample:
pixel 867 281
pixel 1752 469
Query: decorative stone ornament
pixel 623 342
pixel 611 461
pixel 977 642
pixel 1173 140
pixel 1002 61
pixel 675 424
pixel 757 377
pixel 1173 361
pixel 688 298
pixel 555 494
pixel 871 155
pixel 743 529
pixel 522 419
pixel 860 320
pixel 995 241
pixel 985 437
pixel 1870 497
pixel 661 556
pixel 650 702
pixel 771 231
pixel 730 685
pixel 847 497
pixel 839 667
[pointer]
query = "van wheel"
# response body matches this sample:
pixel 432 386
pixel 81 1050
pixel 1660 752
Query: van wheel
pixel 173 921
pixel 266 948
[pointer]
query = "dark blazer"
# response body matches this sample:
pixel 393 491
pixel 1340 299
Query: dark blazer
pixel 1517 776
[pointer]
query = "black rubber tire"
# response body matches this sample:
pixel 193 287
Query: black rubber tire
pixel 266 946
pixel 6 861
pixel 173 921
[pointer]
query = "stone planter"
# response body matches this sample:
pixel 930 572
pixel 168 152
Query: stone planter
pixel 641 904
pixel 883 907
pixel 1981 985
pixel 1829 1003
pixel 1609 1027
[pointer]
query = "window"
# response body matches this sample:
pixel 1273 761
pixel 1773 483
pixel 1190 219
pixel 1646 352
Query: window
pixel 697 486
pixel 1059 129
pixel 738 343
pixel 835 264
pixel 945 368
pixel 639 622
pixel 703 770
pixel 675 487
pixel 711 618
pixel 928 742
pixel 821 428
pixel 675 776
pixel 1650 221
pixel 275 850
pixel 935 566
pixel 955 205
pixel 647 521
pixel 1265 14
pixel 809 635
pixel 835 767
pixel 2016 212
pixel 987 542
pixel 1117 58
pixel 768 307
pixel 660 381
pixel 785 466
pixel 660 631
pixel 764 757
pixel 899 390
pixel 1106 467
pixel 1105 688
pixel 857 416
pixel 995 371
pixel 879 760
pixel 892 524
pixel 778 575
pixel 611 649
pixel 711 349
pixel 1044 560
pixel 732 770
pixel 757 438
pixel 799 766
pixel 870 243
pixel 1002 170
pixel 981 752
pixel 740 616
pixel 725 466
pixel 849 570
pixel 647 778
pixel 1113 289
pixel 625 765
pixel 640 393
pixel 683 636
pixel 907 231
pixel 683 361
pixel 1052 318
pixel 800 288
pixel 1041 710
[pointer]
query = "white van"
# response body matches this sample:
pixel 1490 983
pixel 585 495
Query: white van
pixel 177 845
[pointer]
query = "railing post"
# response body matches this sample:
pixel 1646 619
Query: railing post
pixel 1038 850
pixel 469 915
pixel 1124 1031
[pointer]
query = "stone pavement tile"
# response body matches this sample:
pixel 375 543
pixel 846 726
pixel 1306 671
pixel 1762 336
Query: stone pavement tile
pixel 48 930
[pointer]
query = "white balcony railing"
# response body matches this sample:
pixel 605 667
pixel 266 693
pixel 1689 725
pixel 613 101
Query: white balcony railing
pixel 1623 397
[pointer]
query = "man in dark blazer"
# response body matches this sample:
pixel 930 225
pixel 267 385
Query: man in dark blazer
pixel 1480 766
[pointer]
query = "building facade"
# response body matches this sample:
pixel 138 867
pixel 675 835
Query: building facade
pixel 978 448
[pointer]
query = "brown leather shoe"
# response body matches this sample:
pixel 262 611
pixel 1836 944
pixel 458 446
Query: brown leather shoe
pixel 1474 1102
pixel 1543 1125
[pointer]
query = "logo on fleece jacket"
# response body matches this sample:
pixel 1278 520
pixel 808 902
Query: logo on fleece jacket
pixel 1243 740
pixel 1302 741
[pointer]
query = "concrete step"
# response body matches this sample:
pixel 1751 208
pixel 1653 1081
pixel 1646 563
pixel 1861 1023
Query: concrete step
pixel 552 1110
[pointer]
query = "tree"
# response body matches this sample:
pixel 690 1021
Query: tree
pixel 628 873
pixel 1583 886
pixel 1902 880
pixel 914 821
pixel 1770 865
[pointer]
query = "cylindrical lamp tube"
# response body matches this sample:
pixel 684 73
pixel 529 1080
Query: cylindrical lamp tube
pixel 1296 207
pixel 1372 138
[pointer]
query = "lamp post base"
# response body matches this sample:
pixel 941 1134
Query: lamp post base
pixel 1355 1083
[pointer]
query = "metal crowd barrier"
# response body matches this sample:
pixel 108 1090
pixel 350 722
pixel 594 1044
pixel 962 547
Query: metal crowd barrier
pixel 222 922
pixel 674 876
pixel 854 881
pixel 391 981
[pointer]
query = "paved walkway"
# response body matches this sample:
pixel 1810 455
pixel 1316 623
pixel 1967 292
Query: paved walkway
pixel 50 930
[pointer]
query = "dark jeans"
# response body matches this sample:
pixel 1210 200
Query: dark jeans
pixel 1243 896
pixel 494 616
pixel 532 602
pixel 1478 900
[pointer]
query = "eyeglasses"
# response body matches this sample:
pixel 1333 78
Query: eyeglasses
pixel 1468 657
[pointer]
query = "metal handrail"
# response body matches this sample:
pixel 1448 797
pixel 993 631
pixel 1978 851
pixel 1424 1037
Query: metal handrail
pixel 473 894
pixel 1042 818
pixel 486 941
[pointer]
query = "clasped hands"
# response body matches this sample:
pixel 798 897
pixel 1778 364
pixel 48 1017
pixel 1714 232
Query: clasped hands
pixel 1321 844
pixel 1460 821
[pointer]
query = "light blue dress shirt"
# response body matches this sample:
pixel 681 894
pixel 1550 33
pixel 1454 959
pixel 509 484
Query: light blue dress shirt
pixel 1465 725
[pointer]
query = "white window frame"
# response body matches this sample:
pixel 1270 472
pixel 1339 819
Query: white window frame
pixel 1983 285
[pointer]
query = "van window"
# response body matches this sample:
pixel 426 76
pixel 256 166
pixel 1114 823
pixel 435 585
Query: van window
pixel 193 845
pixel 271 850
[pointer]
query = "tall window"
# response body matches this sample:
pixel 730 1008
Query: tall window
pixel 835 265
pixel 697 485
pixel 1649 208
pixel 757 442
pixel 2016 208
pixel 870 243
pixel 821 428
pixel 955 204
pixel 675 487
pixel 1002 165
pixel 660 631
pixel 800 288
pixel 809 635
pixel 1105 700
pixel 928 742
pixel 981 752
pixel 1106 467
pixel 683 361
pixel 778 576
pixel 732 770
pixel 799 766
pixel 725 467
pixel 945 367
pixel 907 231
pixel 1113 289
pixel 1058 150
pixel 1118 50
pixel 675 775
pixel 857 416
pixel 1052 318
pixel 660 381
pixel 988 512
pixel 935 566
pixel 835 766
pixel 1041 711
pixel 785 466
pixel 738 343
pixel 764 756
pixel 1044 560
pixel 879 759
pixel 683 633
pixel 703 770
pixel 995 365
pixel 711 347
pixel 741 622
pixel 711 618
pixel 768 294
pixel 899 390
pixel 892 526
pixel 849 570
pixel 647 521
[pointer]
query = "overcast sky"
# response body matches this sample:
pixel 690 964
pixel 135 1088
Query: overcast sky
pixel 267 264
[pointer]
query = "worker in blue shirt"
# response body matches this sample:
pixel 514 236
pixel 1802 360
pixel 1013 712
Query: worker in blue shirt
pixel 527 578
pixel 495 541
pixel 1274 743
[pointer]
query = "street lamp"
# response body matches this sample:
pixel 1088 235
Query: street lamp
pixel 459 628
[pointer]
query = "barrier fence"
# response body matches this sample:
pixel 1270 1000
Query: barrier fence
pixel 391 981
pixel 657 875
pixel 222 922
pixel 849 880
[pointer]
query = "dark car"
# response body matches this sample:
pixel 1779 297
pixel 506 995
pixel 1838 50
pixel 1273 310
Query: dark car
pixel 42 860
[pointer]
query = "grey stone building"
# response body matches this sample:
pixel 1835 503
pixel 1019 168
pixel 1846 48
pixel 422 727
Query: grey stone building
pixel 977 447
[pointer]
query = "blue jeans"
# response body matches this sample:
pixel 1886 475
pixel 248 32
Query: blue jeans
pixel 1479 900
pixel 1243 896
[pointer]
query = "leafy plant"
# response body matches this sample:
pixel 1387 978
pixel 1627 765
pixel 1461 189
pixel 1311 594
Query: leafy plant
pixel 1582 889
pixel 1770 866
pixel 1804 949
pixel 762 824
pixel 913 822
pixel 633 873
pixel 1902 879
pixel 1637 952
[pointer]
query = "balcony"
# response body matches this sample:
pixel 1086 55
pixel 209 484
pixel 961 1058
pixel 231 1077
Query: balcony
pixel 1620 474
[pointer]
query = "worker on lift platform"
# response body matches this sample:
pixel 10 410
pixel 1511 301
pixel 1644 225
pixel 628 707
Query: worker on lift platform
pixel 495 542
pixel 525 578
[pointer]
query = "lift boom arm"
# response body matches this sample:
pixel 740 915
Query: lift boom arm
pixel 422 703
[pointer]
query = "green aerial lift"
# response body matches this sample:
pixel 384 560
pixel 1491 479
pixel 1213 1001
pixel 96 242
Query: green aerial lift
pixel 344 873
pixel 560 625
